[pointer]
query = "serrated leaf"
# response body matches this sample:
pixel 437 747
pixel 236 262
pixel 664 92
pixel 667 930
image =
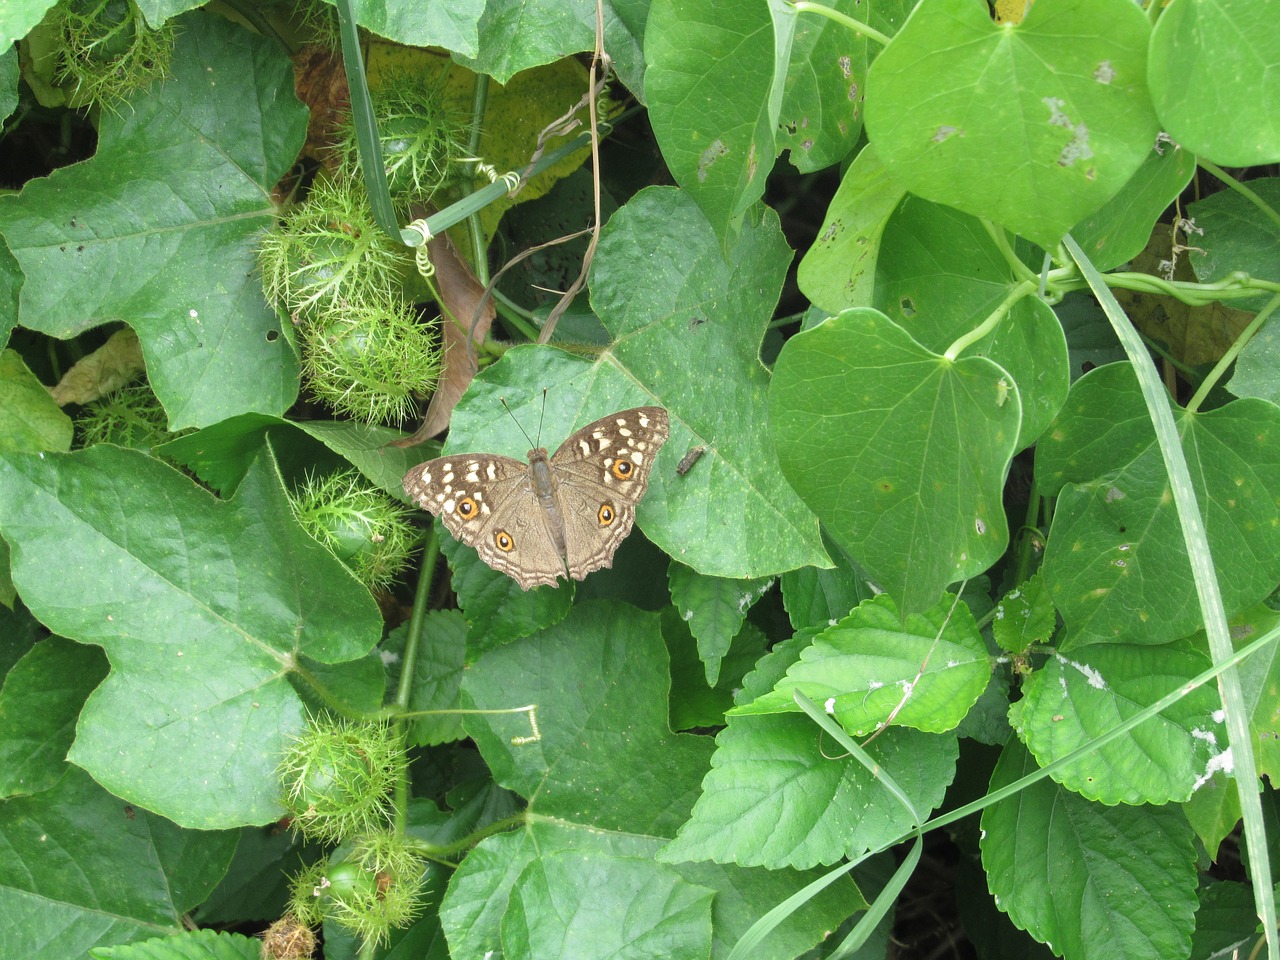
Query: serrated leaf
pixel 814 597
pixel 925 673
pixel 714 608
pixel 693 703
pixel 1037 125
pixel 1092 881
pixel 83 868
pixel 1024 616
pixel 556 910
pixel 170 208
pixel 775 799
pixel 1074 699
pixel 29 418
pixel 114 548
pixel 39 704
pixel 901 452
pixel 189 945
pixel 473 910
pixel 1215 78
pixel 1118 502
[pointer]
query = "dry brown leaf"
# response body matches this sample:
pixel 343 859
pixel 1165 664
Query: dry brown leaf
pixel 112 366
pixel 461 293
pixel 321 83
pixel 1193 335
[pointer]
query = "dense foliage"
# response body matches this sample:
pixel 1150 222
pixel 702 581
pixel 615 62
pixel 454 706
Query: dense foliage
pixel 950 614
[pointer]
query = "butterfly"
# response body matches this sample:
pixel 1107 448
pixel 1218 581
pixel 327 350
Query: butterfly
pixel 555 516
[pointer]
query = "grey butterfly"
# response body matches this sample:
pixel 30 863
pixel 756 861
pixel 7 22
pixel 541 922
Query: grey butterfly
pixel 557 515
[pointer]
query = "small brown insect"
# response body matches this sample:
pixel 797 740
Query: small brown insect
pixel 689 459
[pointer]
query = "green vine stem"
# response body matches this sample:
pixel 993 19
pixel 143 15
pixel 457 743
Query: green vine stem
pixel 871 33
pixel 1228 358
pixel 1267 210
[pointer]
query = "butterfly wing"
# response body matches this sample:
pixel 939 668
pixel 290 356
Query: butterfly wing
pixel 486 501
pixel 601 472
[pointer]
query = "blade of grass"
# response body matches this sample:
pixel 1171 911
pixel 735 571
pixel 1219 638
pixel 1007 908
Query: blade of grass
pixel 1206 581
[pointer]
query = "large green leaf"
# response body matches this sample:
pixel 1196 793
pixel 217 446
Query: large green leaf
pixel 189 945
pixel 710 80
pixel 1133 581
pixel 901 452
pixel 494 872
pixel 515 35
pixel 83 868
pixel 600 680
pixel 1034 125
pixel 775 798
pixel 451 24
pixel 940 299
pixel 203 608
pixel 871 669
pixel 1095 882
pixel 1215 78
pixel 159 227
pixel 30 420
pixel 1076 698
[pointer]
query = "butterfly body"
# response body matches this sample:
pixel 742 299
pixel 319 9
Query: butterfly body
pixel 557 515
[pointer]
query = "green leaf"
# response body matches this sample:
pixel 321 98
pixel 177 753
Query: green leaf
pixel 518 34
pixel 83 868
pixel 451 24
pixel 221 454
pixel 871 667
pixel 712 71
pixel 1134 580
pixel 1088 879
pixel 1225 921
pixel 473 910
pixel 1215 78
pixel 940 301
pixel 170 209
pixel 437 677
pixel 1238 235
pixel 714 608
pixel 1073 700
pixel 816 597
pixel 556 910
pixel 189 945
pixel 17 19
pixel 821 115
pixel 775 799
pixel 839 270
pixel 30 420
pixel 1119 231
pixel 1024 616
pixel 1036 125
pixel 114 548
pixel 39 704
pixel 902 453
pixel 600 679
pixel 694 703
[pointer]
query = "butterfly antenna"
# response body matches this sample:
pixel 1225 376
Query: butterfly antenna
pixel 543 414
pixel 503 401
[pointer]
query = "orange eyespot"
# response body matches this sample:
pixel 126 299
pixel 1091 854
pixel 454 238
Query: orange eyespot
pixel 622 469
pixel 502 540
pixel 467 508
pixel 606 515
